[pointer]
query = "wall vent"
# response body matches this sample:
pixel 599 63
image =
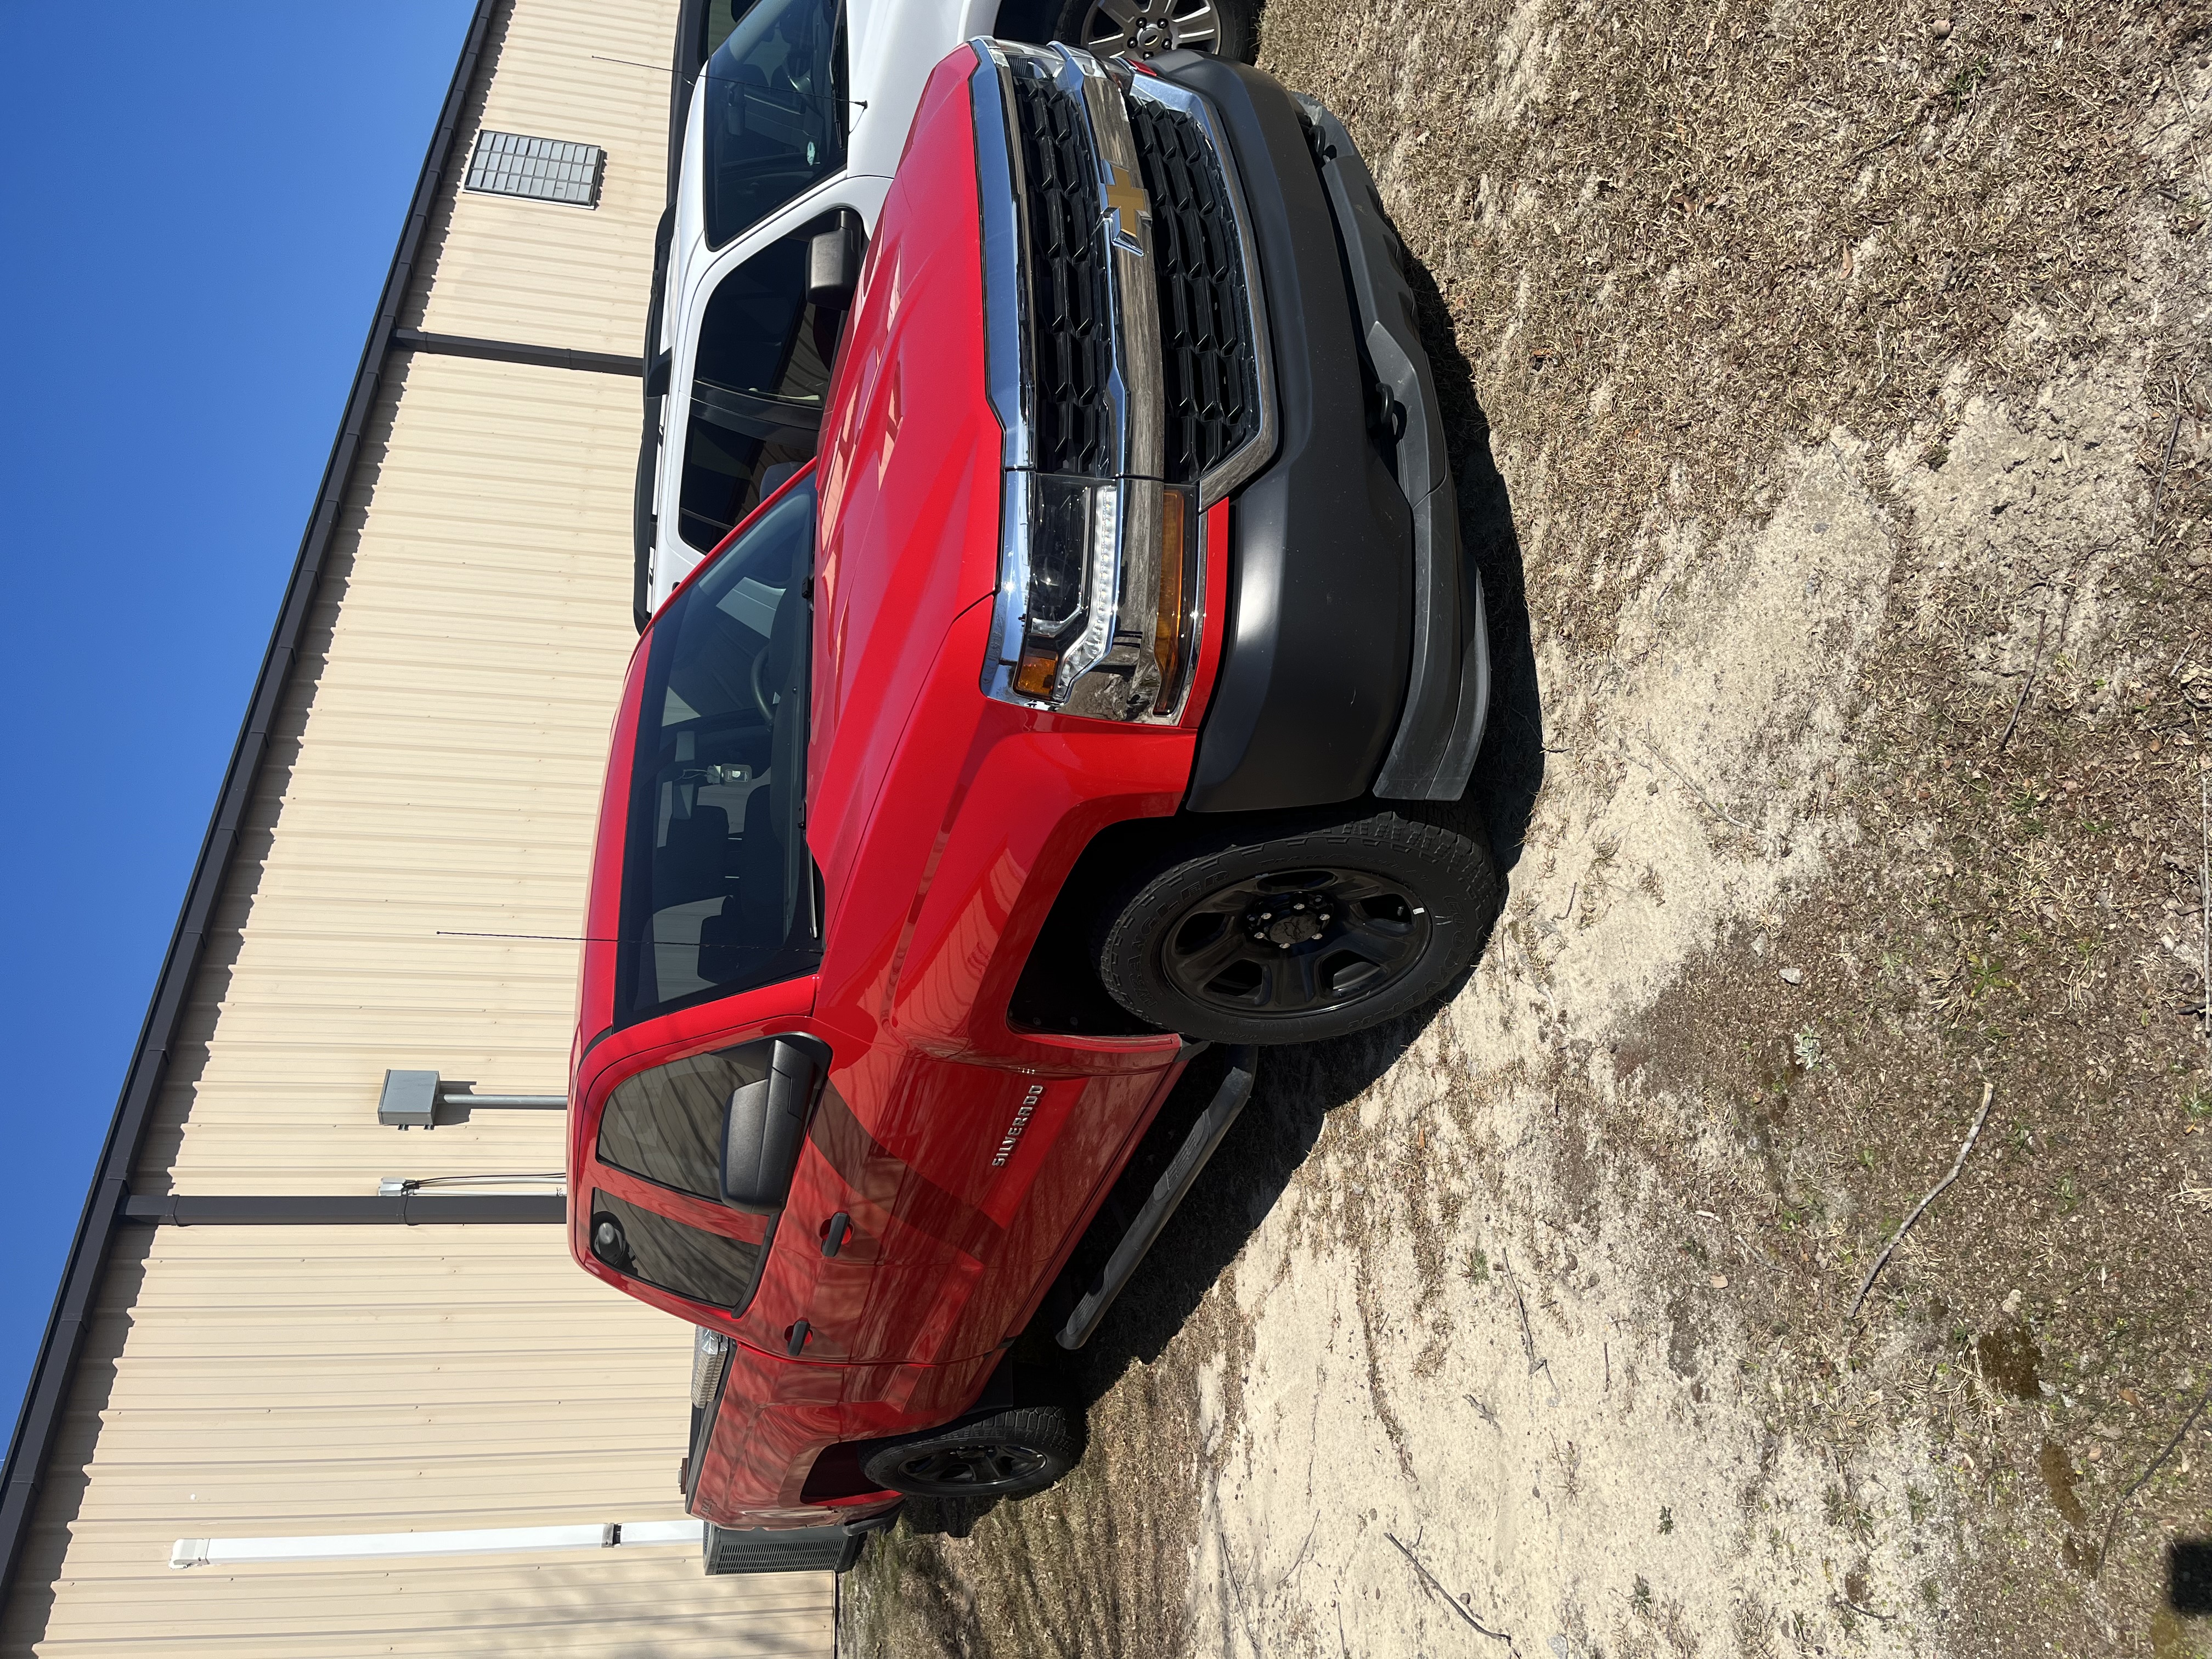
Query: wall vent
pixel 538 169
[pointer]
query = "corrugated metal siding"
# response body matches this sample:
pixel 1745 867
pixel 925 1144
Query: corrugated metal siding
pixel 544 275
pixel 250 1382
pixel 439 776
pixel 436 775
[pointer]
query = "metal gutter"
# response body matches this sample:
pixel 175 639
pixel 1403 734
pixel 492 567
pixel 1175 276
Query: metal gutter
pixel 46 1397
pixel 510 351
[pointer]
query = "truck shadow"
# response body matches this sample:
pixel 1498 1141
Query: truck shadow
pixel 1509 770
pixel 1298 1088
pixel 1293 1093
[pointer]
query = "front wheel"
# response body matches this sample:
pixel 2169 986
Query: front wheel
pixel 1299 936
pixel 1143 28
pixel 1003 1454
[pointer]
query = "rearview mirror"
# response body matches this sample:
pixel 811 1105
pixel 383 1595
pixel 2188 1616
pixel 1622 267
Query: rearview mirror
pixel 765 1124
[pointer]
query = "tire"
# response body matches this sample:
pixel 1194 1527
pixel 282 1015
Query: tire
pixel 1229 27
pixel 1024 1449
pixel 1298 932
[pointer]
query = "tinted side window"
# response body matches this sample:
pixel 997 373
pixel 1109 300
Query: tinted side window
pixel 758 380
pixel 665 1125
pixel 688 1261
pixel 775 115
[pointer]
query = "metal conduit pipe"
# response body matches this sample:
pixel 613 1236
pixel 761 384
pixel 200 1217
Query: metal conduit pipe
pixel 485 1541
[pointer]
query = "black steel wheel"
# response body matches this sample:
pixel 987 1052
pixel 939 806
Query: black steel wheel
pixel 987 1466
pixel 1002 1455
pixel 1296 941
pixel 1294 936
pixel 1144 29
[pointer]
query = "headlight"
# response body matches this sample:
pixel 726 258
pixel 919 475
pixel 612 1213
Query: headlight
pixel 1097 605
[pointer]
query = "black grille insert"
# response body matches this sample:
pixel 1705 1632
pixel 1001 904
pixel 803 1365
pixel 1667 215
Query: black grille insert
pixel 1207 359
pixel 1070 322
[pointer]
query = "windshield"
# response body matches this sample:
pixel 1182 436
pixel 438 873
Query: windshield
pixel 718 888
pixel 775 112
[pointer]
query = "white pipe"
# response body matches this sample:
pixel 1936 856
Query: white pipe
pixel 486 1540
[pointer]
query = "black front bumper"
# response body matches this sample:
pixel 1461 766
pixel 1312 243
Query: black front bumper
pixel 1354 656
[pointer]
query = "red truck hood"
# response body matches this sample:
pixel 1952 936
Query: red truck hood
pixel 910 470
pixel 908 534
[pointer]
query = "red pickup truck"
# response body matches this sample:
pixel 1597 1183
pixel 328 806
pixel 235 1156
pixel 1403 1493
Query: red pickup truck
pixel 1096 709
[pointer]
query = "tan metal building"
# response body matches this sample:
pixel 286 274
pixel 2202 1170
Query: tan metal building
pixel 418 772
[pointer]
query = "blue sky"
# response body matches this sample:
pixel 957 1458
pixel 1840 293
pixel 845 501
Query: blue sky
pixel 197 211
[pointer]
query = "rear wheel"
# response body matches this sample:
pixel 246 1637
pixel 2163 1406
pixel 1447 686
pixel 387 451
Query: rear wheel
pixel 1003 1455
pixel 1142 28
pixel 1310 932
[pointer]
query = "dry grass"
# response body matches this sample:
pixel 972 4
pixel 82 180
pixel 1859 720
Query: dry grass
pixel 1672 239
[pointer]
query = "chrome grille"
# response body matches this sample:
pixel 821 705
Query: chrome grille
pixel 1096 611
pixel 1208 362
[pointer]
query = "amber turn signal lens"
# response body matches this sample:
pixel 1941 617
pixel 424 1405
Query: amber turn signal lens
pixel 1034 679
pixel 1168 618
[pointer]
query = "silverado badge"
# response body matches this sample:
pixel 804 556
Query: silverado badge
pixel 1014 1129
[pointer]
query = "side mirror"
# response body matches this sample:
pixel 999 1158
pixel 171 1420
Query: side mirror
pixel 765 1124
pixel 833 265
pixel 656 375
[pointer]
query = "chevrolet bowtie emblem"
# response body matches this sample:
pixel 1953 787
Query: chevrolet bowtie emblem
pixel 1126 204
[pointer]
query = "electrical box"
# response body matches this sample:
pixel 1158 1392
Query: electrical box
pixel 410 1100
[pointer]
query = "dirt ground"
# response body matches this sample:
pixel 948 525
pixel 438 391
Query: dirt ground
pixel 1829 387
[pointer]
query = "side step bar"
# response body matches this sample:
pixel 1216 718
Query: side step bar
pixel 1167 1193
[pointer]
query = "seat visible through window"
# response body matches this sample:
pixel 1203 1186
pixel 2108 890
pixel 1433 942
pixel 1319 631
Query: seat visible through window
pixel 718 885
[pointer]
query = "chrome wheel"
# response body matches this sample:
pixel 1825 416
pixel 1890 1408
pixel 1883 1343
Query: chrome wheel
pixel 1138 28
pixel 1294 942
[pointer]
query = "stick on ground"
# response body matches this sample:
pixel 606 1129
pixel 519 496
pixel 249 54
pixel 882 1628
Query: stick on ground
pixel 1988 1093
pixel 1527 1337
pixel 2034 667
pixel 1864 1613
pixel 1450 1600
pixel 2204 887
pixel 1688 782
pixel 2202 1400
pixel 2158 485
